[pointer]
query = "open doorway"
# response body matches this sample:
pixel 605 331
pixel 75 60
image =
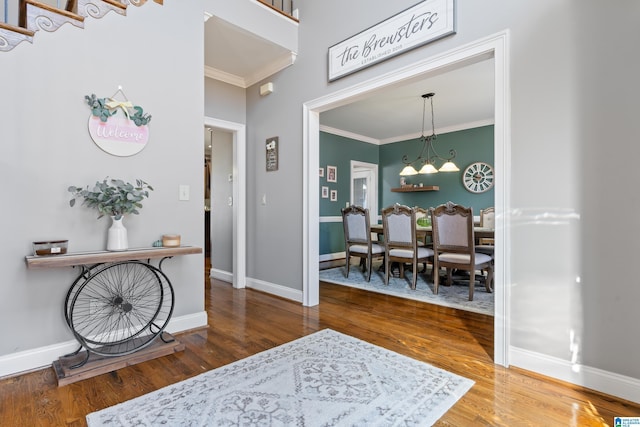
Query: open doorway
pixel 495 47
pixel 219 202
pixel 227 200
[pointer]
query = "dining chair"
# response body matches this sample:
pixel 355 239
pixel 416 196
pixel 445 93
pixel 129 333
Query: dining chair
pixel 487 220
pixel 454 245
pixel 423 219
pixel 401 242
pixel 357 237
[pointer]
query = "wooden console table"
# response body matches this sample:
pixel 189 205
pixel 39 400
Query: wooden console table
pixel 117 309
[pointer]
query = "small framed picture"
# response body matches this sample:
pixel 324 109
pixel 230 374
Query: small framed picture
pixel 325 192
pixel 271 146
pixel 321 173
pixel 332 174
pixel 334 195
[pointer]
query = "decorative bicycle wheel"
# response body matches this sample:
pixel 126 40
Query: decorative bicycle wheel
pixel 86 271
pixel 120 307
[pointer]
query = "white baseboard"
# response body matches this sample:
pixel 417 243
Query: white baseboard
pixel 43 357
pixel 225 276
pixel 260 285
pixel 272 288
pixel 603 381
pixel 187 322
pixel 331 257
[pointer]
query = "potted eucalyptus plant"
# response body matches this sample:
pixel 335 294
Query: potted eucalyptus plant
pixel 114 198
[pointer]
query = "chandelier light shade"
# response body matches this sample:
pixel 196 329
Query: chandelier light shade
pixel 409 170
pixel 428 154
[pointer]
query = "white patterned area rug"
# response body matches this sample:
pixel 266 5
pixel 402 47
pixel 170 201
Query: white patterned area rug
pixel 323 379
pixel 455 296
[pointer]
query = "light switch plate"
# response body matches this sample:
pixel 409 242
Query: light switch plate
pixel 184 192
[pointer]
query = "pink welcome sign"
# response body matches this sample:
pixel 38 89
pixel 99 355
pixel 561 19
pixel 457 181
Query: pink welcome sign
pixel 117 126
pixel 118 135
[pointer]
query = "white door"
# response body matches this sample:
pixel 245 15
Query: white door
pixel 364 187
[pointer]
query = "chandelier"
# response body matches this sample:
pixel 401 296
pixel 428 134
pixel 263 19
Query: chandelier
pixel 428 154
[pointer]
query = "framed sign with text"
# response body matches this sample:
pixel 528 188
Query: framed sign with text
pixel 271 146
pixel 117 126
pixel 422 23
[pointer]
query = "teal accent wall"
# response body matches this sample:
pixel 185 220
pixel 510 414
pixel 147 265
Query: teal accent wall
pixel 471 145
pixel 339 151
pixel 331 237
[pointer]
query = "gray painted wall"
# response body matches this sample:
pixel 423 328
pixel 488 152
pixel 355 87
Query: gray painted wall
pixel 45 147
pixel 224 101
pixel 573 91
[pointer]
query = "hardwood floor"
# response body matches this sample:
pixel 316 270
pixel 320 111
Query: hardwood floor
pixel 244 322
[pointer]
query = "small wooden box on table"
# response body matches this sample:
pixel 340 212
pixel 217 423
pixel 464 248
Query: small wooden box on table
pixel 113 286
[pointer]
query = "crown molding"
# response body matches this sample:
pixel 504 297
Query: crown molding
pixel 349 135
pixel 416 135
pixel 270 69
pixel 285 60
pixel 454 128
pixel 223 76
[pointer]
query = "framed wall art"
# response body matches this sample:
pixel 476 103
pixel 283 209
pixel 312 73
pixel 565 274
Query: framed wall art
pixel 271 148
pixel 332 174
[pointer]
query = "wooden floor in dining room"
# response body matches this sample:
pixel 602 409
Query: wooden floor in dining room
pixel 244 322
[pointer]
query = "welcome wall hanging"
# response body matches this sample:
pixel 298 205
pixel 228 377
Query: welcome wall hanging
pixel 116 125
pixel 423 23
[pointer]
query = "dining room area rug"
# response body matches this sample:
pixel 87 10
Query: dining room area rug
pixel 455 296
pixel 323 379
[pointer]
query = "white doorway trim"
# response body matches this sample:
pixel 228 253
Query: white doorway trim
pixel 495 46
pixel 239 197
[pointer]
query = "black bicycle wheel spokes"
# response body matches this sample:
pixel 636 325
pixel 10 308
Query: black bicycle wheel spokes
pixel 121 308
pixel 86 271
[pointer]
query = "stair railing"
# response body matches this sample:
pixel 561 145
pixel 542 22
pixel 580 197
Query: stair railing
pixel 30 16
pixel 285 7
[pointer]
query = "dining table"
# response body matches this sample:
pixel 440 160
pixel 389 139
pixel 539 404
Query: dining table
pixel 422 232
pixel 425 231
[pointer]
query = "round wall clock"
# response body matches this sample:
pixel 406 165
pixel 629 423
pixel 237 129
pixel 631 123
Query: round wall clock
pixel 478 177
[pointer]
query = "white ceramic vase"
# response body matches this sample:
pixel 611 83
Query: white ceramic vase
pixel 117 235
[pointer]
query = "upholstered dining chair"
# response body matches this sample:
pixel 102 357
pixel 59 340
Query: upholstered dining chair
pixel 401 242
pixel 487 220
pixel 454 245
pixel 357 237
pixel 422 214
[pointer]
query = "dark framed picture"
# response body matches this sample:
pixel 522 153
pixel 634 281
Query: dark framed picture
pixel 334 195
pixel 271 147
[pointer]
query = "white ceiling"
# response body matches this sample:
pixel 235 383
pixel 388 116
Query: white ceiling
pixel 463 97
pixel 239 57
